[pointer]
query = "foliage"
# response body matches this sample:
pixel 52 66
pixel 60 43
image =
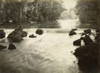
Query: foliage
pixel 12 11
pixel 22 11
pixel 87 11
pixel 46 11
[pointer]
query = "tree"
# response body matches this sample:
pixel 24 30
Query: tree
pixel 87 10
pixel 2 11
pixel 21 11
pixel 49 10
pixel 14 10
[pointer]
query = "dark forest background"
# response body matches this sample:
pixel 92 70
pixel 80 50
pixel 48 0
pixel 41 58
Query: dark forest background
pixel 88 12
pixel 45 13
pixel 37 13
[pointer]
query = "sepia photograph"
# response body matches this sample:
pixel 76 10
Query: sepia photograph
pixel 49 36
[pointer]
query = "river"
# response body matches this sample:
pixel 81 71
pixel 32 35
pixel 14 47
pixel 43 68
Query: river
pixel 48 53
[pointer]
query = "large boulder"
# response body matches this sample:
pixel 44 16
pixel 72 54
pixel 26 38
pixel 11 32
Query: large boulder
pixel 17 35
pixel 2 34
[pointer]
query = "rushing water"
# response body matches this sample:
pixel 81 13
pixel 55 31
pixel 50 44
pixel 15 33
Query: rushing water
pixel 69 23
pixel 48 53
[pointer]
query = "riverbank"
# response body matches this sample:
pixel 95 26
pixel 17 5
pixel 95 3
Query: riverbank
pixel 52 24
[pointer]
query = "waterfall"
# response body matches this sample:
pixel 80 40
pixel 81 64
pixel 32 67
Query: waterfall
pixel 69 19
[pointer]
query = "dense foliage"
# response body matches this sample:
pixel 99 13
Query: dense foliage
pixel 87 10
pixel 24 11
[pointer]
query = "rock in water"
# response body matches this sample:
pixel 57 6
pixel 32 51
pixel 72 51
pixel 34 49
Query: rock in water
pixel 87 58
pixel 72 32
pixel 88 31
pixel 17 35
pixel 24 34
pixel 87 40
pixel 39 31
pixel 2 34
pixel 2 47
pixel 77 42
pixel 32 36
pixel 11 46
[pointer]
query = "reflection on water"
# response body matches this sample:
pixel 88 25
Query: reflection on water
pixel 48 53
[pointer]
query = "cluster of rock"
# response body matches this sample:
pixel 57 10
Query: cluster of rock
pixel 16 36
pixel 88 54
pixel 38 31
pixel 10 47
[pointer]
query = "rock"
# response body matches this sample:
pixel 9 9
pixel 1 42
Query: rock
pixel 39 31
pixel 32 36
pixel 79 52
pixel 24 34
pixel 72 32
pixel 97 30
pixel 88 65
pixel 2 47
pixel 11 46
pixel 17 35
pixel 88 31
pixel 2 34
pixel 88 54
pixel 77 42
pixel 87 40
pixel 87 57
pixel 83 34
